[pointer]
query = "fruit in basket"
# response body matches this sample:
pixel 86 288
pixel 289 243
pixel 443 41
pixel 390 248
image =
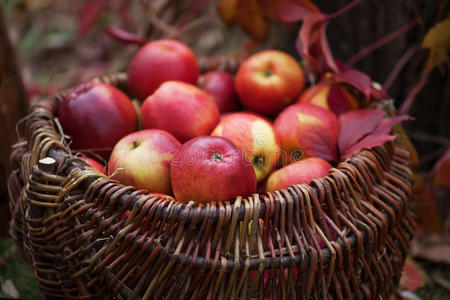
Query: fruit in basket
pixel 160 61
pixel 307 130
pixel 211 168
pixel 269 81
pixel 181 109
pixel 96 116
pixel 297 173
pixel 254 137
pixel 332 96
pixel 144 158
pixel 220 85
pixel 95 164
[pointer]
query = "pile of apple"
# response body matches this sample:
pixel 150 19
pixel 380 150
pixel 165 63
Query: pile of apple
pixel 202 138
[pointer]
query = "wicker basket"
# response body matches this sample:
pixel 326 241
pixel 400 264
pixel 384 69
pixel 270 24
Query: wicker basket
pixel 68 222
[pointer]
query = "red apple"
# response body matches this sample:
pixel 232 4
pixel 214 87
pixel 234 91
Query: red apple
pixel 96 116
pixel 144 158
pixel 220 85
pixel 297 173
pixel 332 96
pixel 307 130
pixel 181 109
pixel 210 168
pixel 268 81
pixel 254 137
pixel 160 61
pixel 95 164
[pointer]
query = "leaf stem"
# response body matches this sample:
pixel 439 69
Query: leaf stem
pixel 406 105
pixel 343 10
pixel 399 66
pixel 379 43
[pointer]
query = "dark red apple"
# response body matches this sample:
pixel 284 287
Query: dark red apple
pixel 220 85
pixel 210 168
pixel 96 116
pixel 160 61
pixel 181 109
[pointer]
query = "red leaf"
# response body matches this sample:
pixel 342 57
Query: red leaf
pixel 356 79
pixel 295 10
pixel 316 135
pixel 88 15
pixel 368 142
pixel 312 42
pixel 125 36
pixel 413 276
pixel 354 125
pixel 338 100
pixel 364 128
pixel 441 170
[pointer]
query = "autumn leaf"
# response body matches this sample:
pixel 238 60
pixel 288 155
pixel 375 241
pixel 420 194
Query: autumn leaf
pixel 124 36
pixel 227 10
pixel 365 128
pixel 295 10
pixel 317 136
pixel 88 15
pixel 357 79
pixel 437 41
pixel 441 170
pixel 249 14
pixel 413 277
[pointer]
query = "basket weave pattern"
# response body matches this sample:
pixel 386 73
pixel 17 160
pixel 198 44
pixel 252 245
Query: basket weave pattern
pixel 344 236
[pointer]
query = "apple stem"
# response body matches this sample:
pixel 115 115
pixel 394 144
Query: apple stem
pixel 135 144
pixel 217 157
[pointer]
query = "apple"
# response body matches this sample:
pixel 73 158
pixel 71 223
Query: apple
pixel 95 164
pixel 268 81
pixel 332 96
pixel 96 116
pixel 254 137
pixel 307 130
pixel 181 109
pixel 160 61
pixel 299 172
pixel 220 85
pixel 144 158
pixel 211 168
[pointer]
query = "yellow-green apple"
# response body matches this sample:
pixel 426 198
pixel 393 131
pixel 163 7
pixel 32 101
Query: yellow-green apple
pixel 307 130
pixel 254 137
pixel 142 159
pixel 299 172
pixel 160 61
pixel 268 81
pixel 220 85
pixel 96 116
pixel 95 164
pixel 332 96
pixel 181 109
pixel 211 168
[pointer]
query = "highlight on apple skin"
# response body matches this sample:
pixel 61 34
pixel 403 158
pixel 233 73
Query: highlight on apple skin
pixel 303 171
pixel 307 130
pixel 144 158
pixel 96 116
pixel 254 137
pixel 269 81
pixel 159 61
pixel 211 168
pixel 183 110
pixel 220 85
